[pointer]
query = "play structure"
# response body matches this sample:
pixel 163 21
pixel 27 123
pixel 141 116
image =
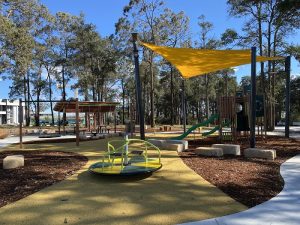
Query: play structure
pixel 233 114
pixel 128 157
pixel 204 123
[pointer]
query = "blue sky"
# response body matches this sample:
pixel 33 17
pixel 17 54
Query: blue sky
pixel 105 13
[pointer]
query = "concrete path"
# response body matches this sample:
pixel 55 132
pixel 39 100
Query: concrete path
pixel 280 210
pixel 14 139
pixel 279 130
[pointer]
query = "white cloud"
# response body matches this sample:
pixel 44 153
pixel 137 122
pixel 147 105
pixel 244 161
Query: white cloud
pixel 235 69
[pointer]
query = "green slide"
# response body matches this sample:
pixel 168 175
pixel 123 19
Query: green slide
pixel 225 124
pixel 205 123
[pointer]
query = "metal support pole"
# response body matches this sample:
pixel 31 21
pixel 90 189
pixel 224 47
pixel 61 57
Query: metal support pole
pixel 77 122
pixel 183 107
pixel 287 95
pixel 138 86
pixel 20 122
pixel 253 97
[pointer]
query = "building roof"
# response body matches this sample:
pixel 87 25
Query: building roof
pixel 85 106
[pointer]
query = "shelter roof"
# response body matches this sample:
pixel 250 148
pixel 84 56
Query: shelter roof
pixel 195 62
pixel 85 106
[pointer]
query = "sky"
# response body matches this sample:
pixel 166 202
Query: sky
pixel 105 13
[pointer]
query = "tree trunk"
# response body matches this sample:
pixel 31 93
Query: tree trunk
pixel 152 119
pixel 123 101
pixel 37 111
pixel 50 96
pixel 206 97
pixel 172 96
pixel 28 97
pixel 63 92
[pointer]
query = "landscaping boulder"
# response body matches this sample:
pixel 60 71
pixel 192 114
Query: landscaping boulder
pixel 229 149
pixel 178 145
pixel 185 144
pixel 209 151
pixel 260 153
pixel 13 161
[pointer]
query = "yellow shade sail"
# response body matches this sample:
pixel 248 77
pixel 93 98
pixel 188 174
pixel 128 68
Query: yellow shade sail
pixel 195 62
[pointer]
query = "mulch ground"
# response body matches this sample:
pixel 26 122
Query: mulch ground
pixel 42 169
pixel 249 181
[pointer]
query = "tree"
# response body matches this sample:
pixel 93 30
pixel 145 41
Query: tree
pixel 22 23
pixel 207 42
pixel 295 97
pixel 175 31
pixel 143 16
pixel 269 23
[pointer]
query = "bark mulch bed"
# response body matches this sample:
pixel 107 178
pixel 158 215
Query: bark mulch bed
pixel 42 169
pixel 249 181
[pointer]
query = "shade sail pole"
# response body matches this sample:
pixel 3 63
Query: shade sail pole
pixel 140 107
pixel 287 95
pixel 253 97
pixel 183 107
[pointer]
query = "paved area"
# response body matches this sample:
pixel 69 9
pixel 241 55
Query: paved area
pixel 175 194
pixel 280 130
pixel 280 210
pixel 14 139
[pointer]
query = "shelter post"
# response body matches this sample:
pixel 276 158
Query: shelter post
pixel 253 97
pixel 138 86
pixel 59 122
pixel 77 122
pixel 21 122
pixel 287 95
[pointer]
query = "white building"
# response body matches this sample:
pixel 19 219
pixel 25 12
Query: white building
pixel 9 111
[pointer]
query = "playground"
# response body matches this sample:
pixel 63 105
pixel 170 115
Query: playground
pixel 145 199
pixel 153 124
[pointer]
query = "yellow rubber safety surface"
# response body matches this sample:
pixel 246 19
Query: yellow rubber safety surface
pixel 174 194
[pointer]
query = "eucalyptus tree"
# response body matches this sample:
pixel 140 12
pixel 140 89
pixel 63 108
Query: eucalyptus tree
pixel 268 23
pixel 49 55
pixel 22 24
pixel 295 97
pixel 66 25
pixel 175 31
pixel 206 41
pixel 143 17
pixel 125 67
pixel 95 59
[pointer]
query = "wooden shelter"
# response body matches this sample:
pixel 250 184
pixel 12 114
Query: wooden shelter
pixel 92 109
pixel 85 106
pixel 74 106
